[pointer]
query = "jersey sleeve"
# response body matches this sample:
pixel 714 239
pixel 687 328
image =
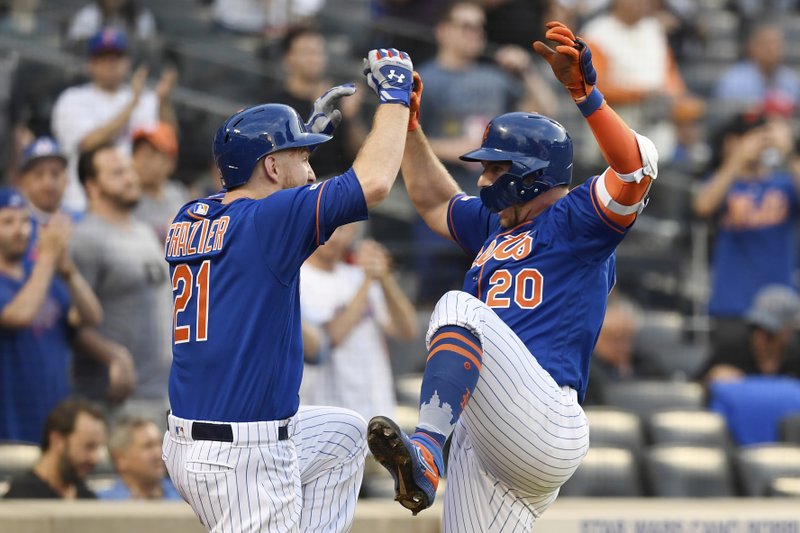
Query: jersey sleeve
pixel 291 223
pixel 469 222
pixel 591 235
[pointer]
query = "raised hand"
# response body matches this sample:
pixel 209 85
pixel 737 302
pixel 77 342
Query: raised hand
pixel 324 116
pixel 389 74
pixel 571 61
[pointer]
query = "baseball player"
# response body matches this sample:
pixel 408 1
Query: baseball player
pixel 238 449
pixel 509 355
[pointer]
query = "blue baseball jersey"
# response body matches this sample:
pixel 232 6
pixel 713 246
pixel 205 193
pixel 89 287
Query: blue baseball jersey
pixel 235 268
pixel 755 244
pixel 547 278
pixel 34 362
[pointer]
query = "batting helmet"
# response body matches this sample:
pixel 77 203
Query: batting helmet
pixel 252 133
pixel 540 152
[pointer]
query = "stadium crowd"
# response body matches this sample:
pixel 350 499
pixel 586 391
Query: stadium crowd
pixel 108 111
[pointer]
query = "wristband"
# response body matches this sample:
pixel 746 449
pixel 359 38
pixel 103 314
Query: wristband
pixel 592 102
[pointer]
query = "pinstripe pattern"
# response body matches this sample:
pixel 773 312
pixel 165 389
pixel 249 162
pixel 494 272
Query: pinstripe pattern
pixel 519 439
pixel 257 483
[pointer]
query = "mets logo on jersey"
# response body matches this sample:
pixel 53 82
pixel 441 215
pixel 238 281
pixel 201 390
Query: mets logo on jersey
pixel 514 247
pixel 200 209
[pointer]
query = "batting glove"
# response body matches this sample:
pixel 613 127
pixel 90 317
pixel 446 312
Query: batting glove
pixel 324 116
pixel 571 62
pixel 414 103
pixel 389 74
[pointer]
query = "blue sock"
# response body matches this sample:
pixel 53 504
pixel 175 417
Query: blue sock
pixel 451 373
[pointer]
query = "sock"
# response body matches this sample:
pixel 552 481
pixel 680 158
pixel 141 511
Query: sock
pixel 451 373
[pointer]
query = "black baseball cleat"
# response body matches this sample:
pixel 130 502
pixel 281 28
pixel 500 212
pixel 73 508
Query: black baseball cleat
pixel 415 463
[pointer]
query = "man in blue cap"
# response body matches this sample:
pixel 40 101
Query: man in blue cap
pixel 41 296
pixel 107 109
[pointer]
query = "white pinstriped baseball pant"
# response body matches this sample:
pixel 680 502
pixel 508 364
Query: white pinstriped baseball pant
pixel 520 437
pixel 308 482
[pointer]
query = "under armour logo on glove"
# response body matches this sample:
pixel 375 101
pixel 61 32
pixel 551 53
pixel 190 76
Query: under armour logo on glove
pixel 398 78
pixel 388 73
pixel 324 116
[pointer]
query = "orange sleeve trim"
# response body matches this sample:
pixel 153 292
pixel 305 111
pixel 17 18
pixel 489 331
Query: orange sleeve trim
pixel 455 349
pixel 462 338
pixel 319 199
pixel 607 216
pixel 625 192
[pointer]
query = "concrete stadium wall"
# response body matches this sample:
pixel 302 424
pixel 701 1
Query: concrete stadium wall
pixel 568 515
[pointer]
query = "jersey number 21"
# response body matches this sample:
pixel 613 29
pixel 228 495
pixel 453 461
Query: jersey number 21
pixel 184 283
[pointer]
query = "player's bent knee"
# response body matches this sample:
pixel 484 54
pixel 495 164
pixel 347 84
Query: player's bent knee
pixel 457 308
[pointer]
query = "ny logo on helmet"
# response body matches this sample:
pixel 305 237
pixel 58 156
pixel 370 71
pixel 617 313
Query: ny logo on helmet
pixel 398 77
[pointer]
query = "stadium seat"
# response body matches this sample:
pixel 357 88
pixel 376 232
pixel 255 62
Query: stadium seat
pixel 608 472
pixel 786 486
pixel 790 429
pixel 16 457
pixel 675 471
pixel 645 398
pixel 760 465
pixel 616 428
pixel 695 428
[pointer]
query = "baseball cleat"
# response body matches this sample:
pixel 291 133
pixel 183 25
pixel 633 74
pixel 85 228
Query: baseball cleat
pixel 414 465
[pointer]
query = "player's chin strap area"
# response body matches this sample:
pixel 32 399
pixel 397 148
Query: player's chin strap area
pixel 649 155
pixel 510 189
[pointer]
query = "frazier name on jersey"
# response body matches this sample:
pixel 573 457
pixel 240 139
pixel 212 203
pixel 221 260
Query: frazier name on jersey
pixel 200 237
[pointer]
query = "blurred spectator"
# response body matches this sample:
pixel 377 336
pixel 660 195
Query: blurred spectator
pixel 124 262
pixel 754 204
pixel 270 18
pixel 107 109
pixel 771 349
pixel 461 96
pixel 304 63
pixel 125 15
pixel 135 447
pixel 615 357
pixel 761 79
pixel 355 305
pixel 42 180
pixel 637 72
pixel 155 153
pixel 40 299
pixel 72 442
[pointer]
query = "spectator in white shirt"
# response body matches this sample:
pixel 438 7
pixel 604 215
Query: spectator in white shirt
pixel 107 109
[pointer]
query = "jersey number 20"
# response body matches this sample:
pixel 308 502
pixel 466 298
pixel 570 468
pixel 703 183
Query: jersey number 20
pixel 183 283
pixel 525 289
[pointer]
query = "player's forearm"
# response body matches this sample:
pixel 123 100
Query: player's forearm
pixel 22 310
pixel 403 319
pixel 428 183
pixel 90 312
pixel 378 162
pixel 340 326
pixel 106 132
